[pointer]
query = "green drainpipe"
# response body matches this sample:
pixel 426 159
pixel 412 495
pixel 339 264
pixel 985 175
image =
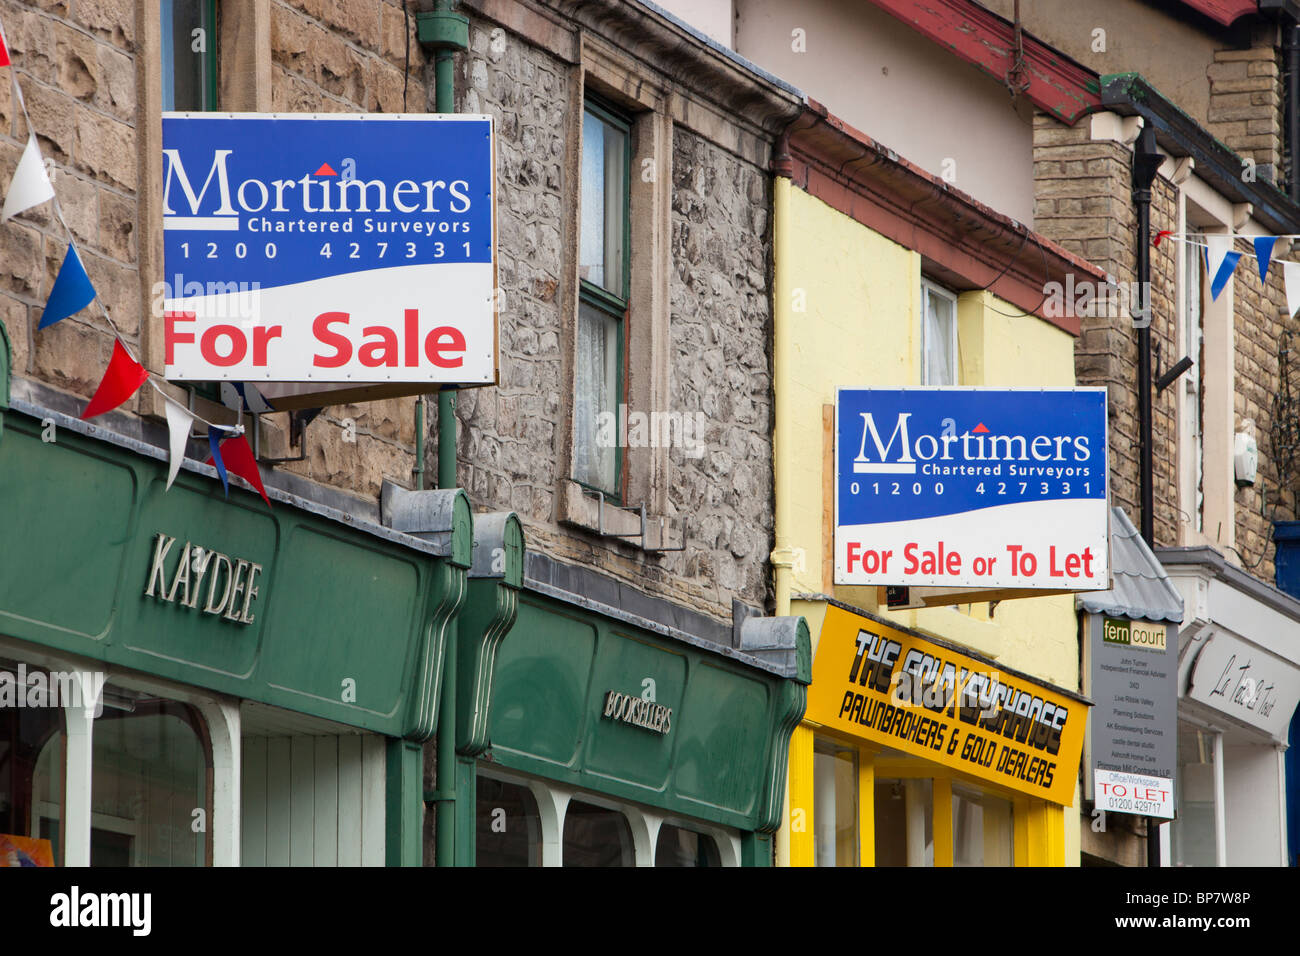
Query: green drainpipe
pixel 444 32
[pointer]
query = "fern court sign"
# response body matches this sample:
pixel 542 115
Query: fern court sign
pixel 342 248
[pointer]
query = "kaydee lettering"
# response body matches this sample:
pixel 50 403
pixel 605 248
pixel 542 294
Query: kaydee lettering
pixel 638 712
pixel 231 587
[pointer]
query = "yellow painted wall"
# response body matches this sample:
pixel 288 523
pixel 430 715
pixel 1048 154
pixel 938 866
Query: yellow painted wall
pixel 852 301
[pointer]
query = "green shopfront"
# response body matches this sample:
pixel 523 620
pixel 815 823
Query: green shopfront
pixel 627 731
pixel 190 679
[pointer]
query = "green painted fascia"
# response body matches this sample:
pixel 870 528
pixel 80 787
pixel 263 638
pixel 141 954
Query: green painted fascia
pixel 793 701
pixel 487 618
pixel 404 803
pixel 335 602
pixel 724 759
pixel 462 531
pixel 426 689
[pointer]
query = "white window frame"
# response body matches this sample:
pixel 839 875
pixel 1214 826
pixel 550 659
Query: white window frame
pixel 928 289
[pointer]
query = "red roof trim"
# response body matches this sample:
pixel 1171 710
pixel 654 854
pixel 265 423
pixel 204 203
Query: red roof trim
pixel 1226 12
pixel 970 243
pixel 1061 86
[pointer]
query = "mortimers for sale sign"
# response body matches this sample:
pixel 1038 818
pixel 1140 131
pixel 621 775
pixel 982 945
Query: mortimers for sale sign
pixel 328 248
pixel 976 488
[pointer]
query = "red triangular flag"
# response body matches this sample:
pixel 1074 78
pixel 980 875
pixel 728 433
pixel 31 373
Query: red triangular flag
pixel 240 461
pixel 4 53
pixel 325 170
pixel 122 380
pixel 979 429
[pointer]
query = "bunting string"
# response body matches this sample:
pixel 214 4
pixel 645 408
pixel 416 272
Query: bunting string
pixel 73 291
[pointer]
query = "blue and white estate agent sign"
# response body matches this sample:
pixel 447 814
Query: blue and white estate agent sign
pixel 972 487
pixel 328 248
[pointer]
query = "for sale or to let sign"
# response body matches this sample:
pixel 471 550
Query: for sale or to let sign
pixel 980 488
pixel 328 248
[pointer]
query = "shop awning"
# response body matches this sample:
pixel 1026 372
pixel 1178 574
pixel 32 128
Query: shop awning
pixel 1141 587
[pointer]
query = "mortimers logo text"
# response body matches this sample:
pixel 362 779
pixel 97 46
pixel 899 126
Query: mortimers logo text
pixel 900 453
pixel 216 203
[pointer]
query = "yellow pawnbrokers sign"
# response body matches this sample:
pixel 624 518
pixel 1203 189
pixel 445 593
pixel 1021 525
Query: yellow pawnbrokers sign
pixel 894 688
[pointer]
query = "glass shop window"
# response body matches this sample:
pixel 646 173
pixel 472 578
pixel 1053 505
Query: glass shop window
pixel 508 827
pixel 835 804
pixel 904 822
pixel 151 772
pixel 31 775
pixel 1194 834
pixel 189 60
pixel 679 847
pixel 596 836
pixel 981 828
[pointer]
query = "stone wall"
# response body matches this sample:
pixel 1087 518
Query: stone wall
pixel 512 441
pixel 77 65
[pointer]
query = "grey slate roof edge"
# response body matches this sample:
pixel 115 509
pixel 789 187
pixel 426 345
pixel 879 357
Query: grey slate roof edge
pixel 1141 588
pixel 148 439
pixel 1210 559
pixel 587 588
pixel 762 74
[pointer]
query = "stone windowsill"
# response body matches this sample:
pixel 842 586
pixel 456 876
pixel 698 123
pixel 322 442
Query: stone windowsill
pixel 582 509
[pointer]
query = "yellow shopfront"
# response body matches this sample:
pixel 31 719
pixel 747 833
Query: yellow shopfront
pixel 923 754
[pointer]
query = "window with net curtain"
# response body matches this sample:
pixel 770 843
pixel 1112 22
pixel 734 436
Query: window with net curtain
pixel 603 294
pixel 938 336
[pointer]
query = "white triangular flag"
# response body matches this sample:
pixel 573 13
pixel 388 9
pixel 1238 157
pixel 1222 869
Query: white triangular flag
pixel 1291 279
pixel 1217 247
pixel 30 185
pixel 179 421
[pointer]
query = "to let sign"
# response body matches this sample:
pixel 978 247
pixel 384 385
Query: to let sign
pixel 972 487
pixel 340 248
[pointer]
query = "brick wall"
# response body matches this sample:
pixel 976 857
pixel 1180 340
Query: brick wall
pixel 1084 203
pixel 1245 109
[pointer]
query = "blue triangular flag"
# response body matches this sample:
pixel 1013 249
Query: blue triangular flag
pixel 1224 274
pixel 72 290
pixel 1263 253
pixel 214 442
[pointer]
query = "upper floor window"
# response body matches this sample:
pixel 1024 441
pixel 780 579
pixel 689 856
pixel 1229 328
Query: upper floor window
pixel 603 298
pixel 189 61
pixel 938 336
